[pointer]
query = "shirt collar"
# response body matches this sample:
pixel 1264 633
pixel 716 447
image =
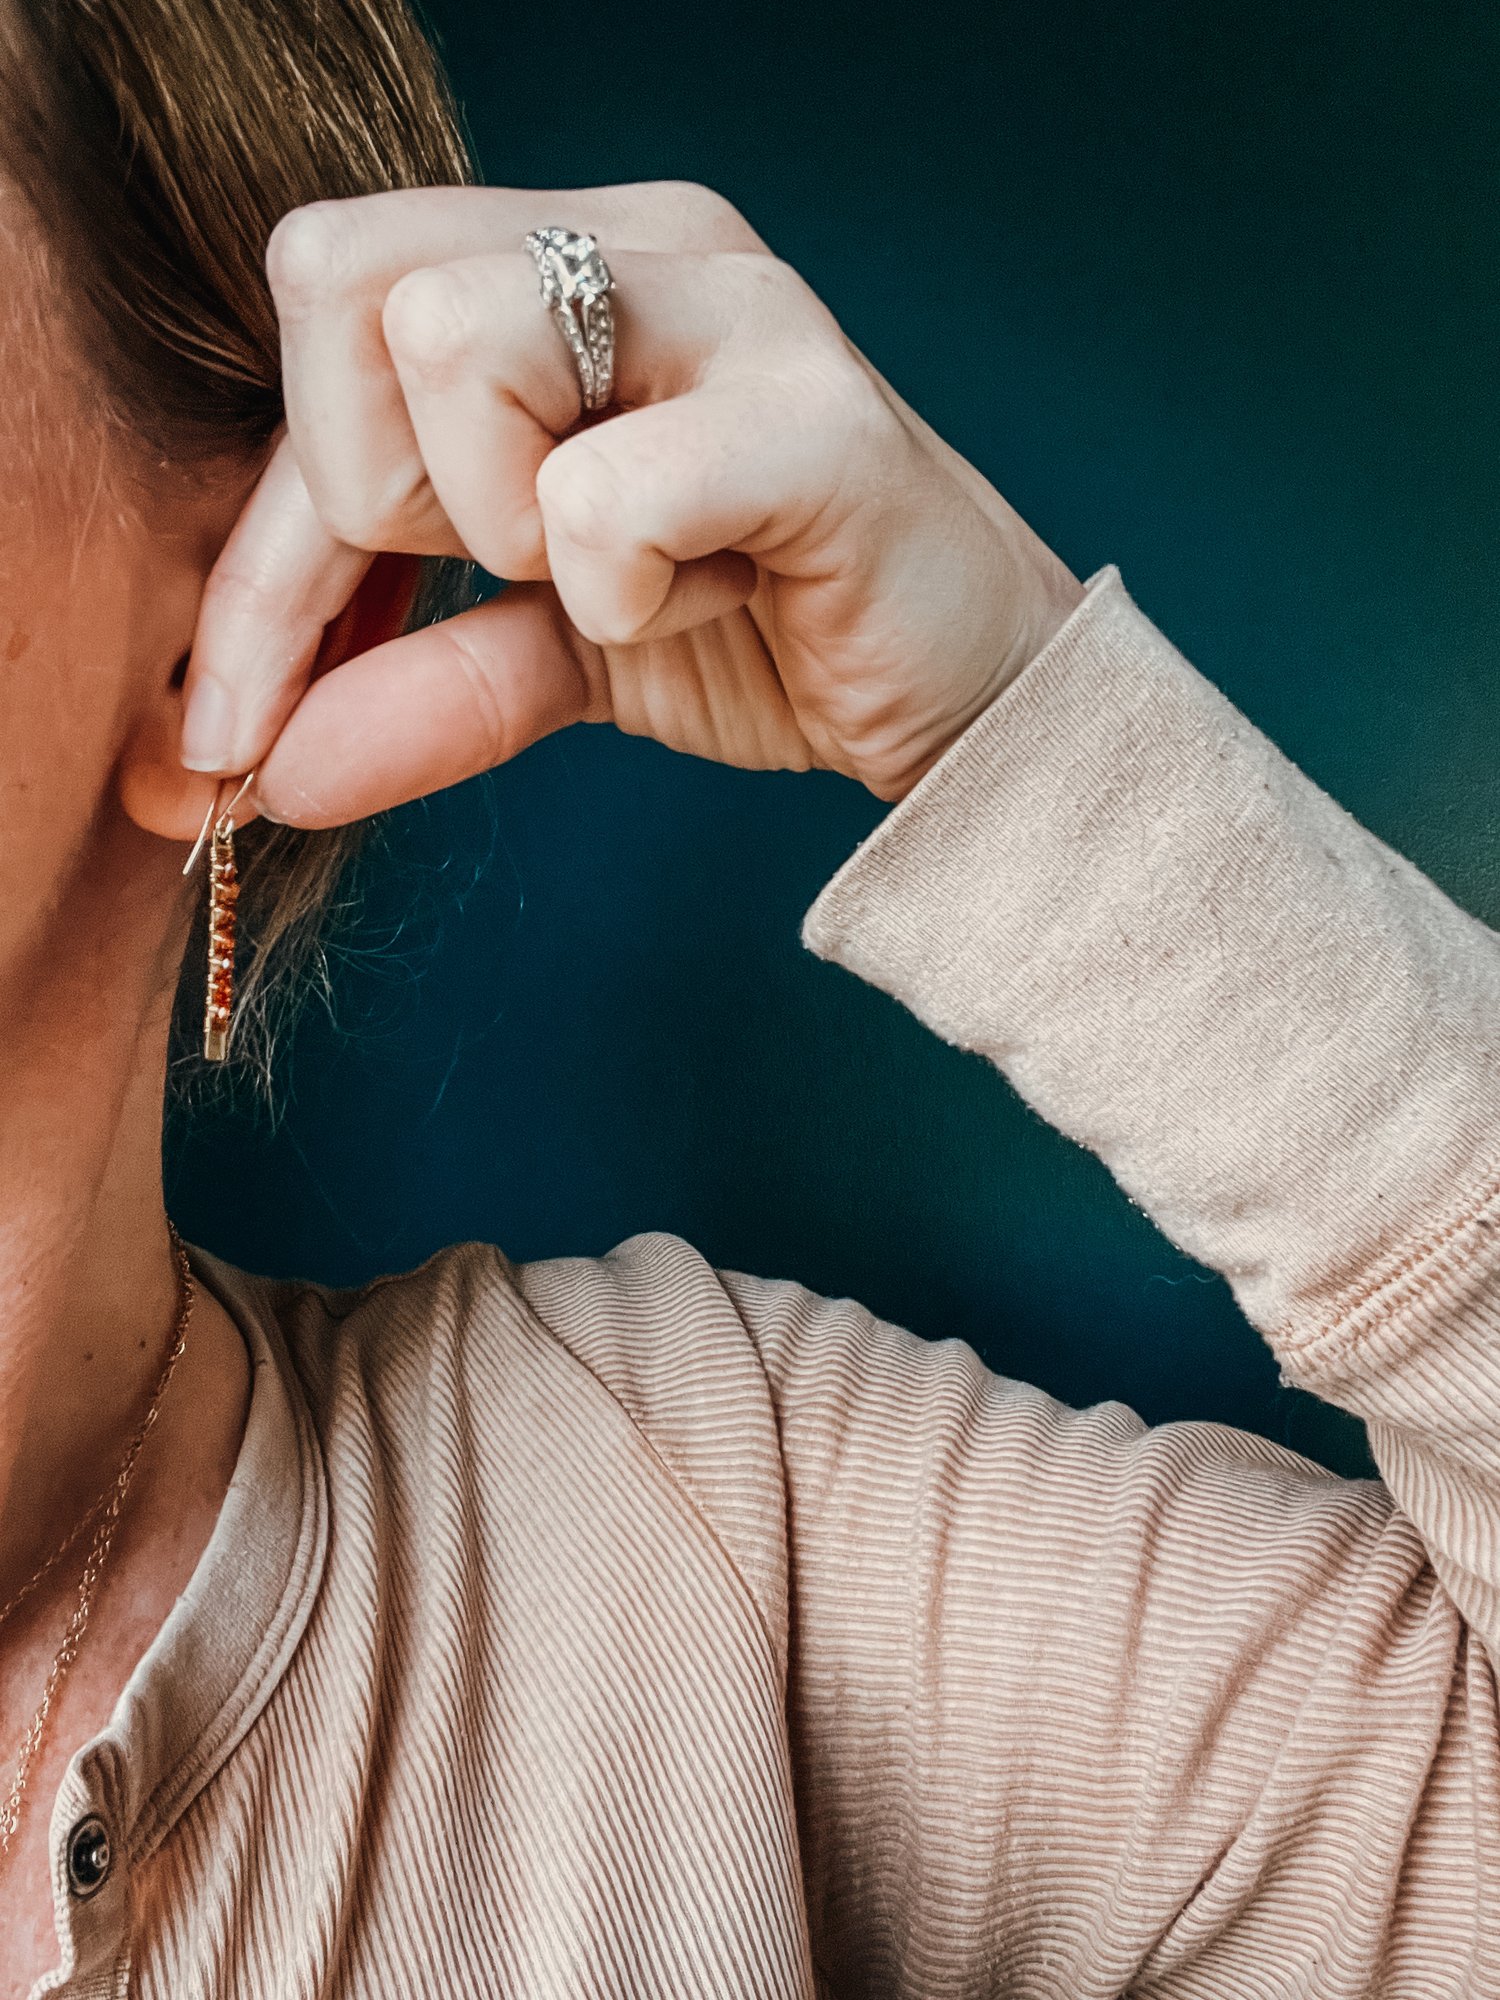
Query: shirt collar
pixel 225 1646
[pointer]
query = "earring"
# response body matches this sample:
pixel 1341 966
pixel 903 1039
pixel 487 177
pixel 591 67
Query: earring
pixel 223 895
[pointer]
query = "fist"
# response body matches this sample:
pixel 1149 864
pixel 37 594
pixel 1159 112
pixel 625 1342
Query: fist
pixel 756 553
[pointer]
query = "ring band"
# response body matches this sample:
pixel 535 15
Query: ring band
pixel 576 284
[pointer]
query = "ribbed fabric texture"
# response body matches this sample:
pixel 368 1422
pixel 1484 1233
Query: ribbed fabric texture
pixel 622 1628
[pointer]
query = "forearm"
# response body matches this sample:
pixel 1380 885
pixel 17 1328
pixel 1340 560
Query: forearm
pixel 1281 1038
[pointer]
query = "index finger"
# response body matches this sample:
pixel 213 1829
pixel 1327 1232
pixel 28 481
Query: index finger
pixel 280 579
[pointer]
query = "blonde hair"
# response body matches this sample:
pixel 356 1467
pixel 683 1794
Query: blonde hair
pixel 158 142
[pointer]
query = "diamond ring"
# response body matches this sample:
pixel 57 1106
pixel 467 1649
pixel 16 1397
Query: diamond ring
pixel 576 284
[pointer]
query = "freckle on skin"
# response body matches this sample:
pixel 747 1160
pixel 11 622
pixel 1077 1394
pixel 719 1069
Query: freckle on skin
pixel 17 645
pixel 88 1354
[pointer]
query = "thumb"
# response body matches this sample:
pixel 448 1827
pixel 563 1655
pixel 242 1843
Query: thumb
pixel 427 710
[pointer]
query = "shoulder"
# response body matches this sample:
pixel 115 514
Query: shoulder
pixel 460 1364
pixel 656 1324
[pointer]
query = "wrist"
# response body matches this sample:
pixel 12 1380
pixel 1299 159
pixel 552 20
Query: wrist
pixel 1046 594
pixel 1055 596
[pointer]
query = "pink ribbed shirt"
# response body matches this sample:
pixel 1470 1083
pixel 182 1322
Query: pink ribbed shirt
pixel 619 1628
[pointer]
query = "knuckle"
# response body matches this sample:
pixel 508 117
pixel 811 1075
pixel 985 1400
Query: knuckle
pixel 511 547
pixel 850 385
pixel 355 524
pixel 235 596
pixel 845 393
pixel 234 586
pixel 704 217
pixel 492 733
pixel 366 515
pixel 310 252
pixel 788 282
pixel 765 284
pixel 580 496
pixel 428 321
pixel 612 632
pixel 605 623
pixel 700 199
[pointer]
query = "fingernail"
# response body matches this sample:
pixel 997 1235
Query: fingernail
pixel 208 728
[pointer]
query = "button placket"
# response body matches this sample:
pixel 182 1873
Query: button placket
pixel 90 1856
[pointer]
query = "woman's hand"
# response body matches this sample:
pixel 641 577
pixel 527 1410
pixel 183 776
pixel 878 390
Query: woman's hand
pixel 758 555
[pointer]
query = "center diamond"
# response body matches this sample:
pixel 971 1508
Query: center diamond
pixel 573 266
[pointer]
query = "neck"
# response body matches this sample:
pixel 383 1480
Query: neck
pixel 88 1282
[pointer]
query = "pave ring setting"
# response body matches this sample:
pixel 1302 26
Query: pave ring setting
pixel 576 284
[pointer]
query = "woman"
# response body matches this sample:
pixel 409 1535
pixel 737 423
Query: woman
pixel 624 1627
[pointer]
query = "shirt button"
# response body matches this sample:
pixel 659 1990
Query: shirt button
pixel 88 1857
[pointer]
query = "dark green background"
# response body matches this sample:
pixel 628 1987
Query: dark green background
pixel 1232 275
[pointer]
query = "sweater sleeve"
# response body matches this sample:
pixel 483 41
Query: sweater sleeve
pixel 1281 1038
pixel 1082 1707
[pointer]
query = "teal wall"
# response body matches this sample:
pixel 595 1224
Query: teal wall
pixel 1237 269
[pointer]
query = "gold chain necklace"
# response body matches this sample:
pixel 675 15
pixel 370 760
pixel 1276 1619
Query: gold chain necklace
pixel 105 1514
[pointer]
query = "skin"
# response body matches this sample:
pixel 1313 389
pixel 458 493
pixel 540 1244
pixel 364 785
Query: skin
pixel 759 555
pixel 92 915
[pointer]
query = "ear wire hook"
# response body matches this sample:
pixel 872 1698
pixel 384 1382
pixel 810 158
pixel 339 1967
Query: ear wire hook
pixel 213 816
pixel 208 819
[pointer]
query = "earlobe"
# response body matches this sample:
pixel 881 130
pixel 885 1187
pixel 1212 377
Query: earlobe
pixel 156 792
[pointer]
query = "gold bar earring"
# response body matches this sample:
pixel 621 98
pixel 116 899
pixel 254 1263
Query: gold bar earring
pixel 223 895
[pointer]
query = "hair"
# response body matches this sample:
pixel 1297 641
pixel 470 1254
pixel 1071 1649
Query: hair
pixel 158 142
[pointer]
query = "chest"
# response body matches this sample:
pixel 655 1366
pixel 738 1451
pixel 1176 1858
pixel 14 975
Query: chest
pixel 546 1769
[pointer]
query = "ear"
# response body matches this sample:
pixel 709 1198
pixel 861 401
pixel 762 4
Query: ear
pixel 155 790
